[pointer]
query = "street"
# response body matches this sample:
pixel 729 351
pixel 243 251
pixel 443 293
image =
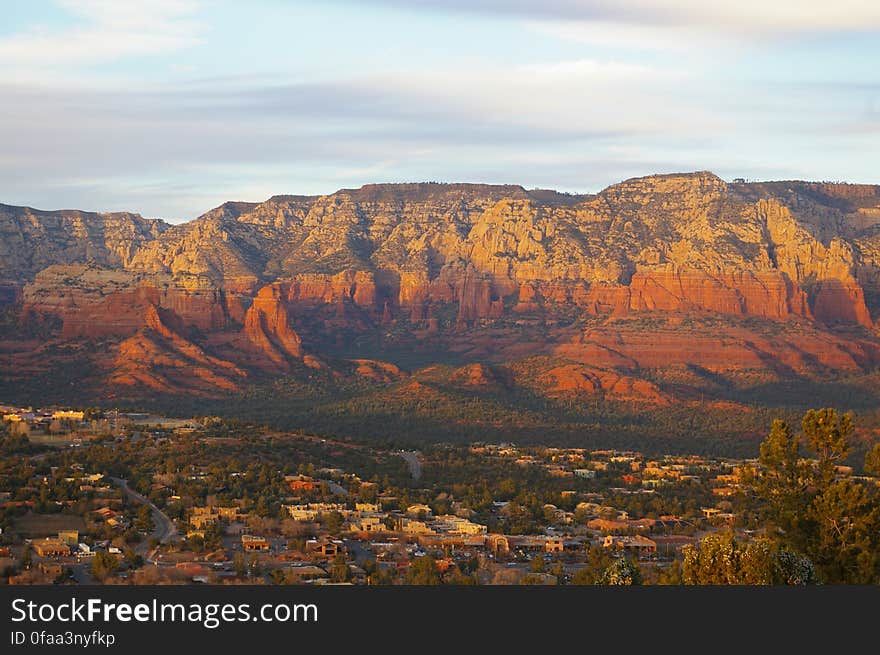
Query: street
pixel 164 530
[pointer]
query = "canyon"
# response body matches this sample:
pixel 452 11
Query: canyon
pixel 591 295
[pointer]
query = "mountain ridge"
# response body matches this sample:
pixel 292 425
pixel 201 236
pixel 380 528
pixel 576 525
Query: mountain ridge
pixel 651 274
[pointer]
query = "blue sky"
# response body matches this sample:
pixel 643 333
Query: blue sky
pixel 170 107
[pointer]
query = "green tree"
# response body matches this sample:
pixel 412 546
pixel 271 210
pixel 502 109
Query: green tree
pixel 538 564
pixel 133 559
pixel 239 565
pixel 719 559
pixel 809 508
pixel 144 520
pixel 622 572
pixel 598 560
pixel 423 571
pixel 27 558
pixel 872 460
pixel 340 571
pixel 103 565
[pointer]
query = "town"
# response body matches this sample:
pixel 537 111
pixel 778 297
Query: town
pixel 89 496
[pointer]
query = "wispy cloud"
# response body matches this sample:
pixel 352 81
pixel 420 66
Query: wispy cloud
pixel 82 127
pixel 744 16
pixel 102 31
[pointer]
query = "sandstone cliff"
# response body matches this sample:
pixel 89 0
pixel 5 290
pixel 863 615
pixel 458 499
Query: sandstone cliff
pixel 272 284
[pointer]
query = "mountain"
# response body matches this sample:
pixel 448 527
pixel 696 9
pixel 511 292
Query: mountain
pixel 655 289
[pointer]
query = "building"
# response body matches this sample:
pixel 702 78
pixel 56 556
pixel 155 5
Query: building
pixel 51 548
pixel 202 521
pixel 416 527
pixel 369 524
pixel 302 483
pixel 69 537
pixel 419 511
pixel 68 415
pixel 252 543
pixel 457 525
pixel 325 548
pixel 637 545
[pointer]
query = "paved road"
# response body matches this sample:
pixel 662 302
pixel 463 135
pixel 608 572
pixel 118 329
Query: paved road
pixel 82 574
pixel 164 529
pixel 413 460
pixel 336 488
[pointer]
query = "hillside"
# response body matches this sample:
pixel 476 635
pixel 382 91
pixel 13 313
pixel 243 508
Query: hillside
pixel 657 290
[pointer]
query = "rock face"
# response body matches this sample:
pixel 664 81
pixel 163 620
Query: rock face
pixel 158 359
pixel 273 284
pixel 267 328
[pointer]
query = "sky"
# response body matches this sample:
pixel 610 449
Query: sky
pixel 170 107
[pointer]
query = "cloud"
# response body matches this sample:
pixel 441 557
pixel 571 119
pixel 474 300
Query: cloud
pixel 564 117
pixel 579 124
pixel 103 31
pixel 745 16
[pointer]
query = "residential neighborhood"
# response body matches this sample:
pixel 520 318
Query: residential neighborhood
pixel 138 499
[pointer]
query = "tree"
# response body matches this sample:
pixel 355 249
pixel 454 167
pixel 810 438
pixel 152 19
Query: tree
pixel 670 575
pixel 340 571
pixel 827 433
pixel 239 565
pixel 872 460
pixel 719 559
pixel 538 564
pixel 144 520
pixel 810 510
pixel 597 561
pixel 27 558
pixel 621 572
pixel 846 546
pixel 423 571
pixel 134 560
pixel 103 565
pixel 332 521
pixel 783 480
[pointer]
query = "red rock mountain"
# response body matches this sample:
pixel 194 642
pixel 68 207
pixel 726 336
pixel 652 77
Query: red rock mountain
pixel 667 271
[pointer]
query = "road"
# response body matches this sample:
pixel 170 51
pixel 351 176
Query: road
pixel 413 460
pixel 336 488
pixel 164 530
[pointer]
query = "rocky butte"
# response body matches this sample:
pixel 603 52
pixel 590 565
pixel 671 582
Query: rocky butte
pixel 678 272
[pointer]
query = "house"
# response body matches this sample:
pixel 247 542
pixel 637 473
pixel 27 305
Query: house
pixel 457 525
pixel 51 569
pixel 325 547
pixel 69 537
pixel 302 483
pixel 202 521
pixel 301 512
pixel 308 572
pixel 49 547
pixel 416 527
pixel 637 545
pixel 370 524
pixel 68 415
pixel 418 511
pixel 253 543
